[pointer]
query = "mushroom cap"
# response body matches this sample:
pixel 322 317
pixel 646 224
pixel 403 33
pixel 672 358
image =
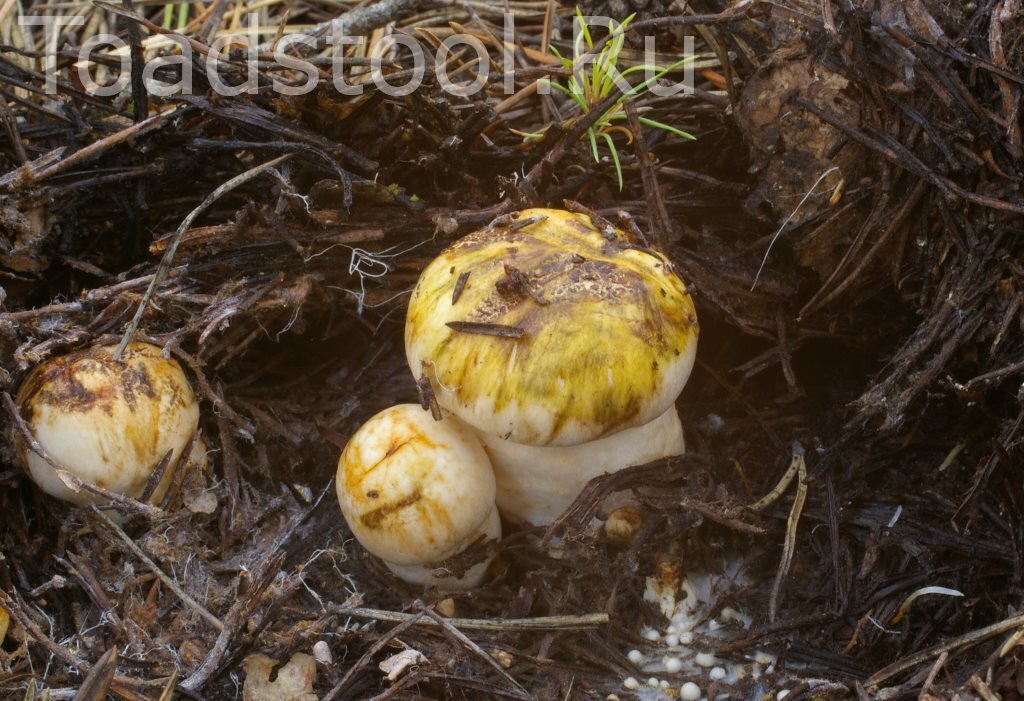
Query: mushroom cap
pixel 430 576
pixel 608 331
pixel 536 484
pixel 109 423
pixel 415 491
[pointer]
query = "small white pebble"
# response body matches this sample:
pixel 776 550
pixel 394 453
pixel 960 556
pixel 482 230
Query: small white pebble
pixel 672 640
pixel 685 638
pixel 716 674
pixel 704 659
pixel 673 665
pixel 652 635
pixel 322 652
pixel 653 682
pixel 631 683
pixel 781 695
pixel 689 692
pixel 635 656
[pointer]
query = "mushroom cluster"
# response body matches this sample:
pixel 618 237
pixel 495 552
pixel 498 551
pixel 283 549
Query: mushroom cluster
pixel 555 349
pixel 109 423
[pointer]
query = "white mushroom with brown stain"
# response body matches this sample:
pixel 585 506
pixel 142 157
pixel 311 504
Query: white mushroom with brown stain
pixel 109 422
pixel 415 492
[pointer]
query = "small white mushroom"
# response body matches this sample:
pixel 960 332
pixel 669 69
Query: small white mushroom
pixel 415 492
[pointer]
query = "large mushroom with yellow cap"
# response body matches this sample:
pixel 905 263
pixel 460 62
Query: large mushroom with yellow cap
pixel 563 343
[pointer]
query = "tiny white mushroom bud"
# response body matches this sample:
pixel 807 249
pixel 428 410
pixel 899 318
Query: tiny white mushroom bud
pixel 672 640
pixel 635 656
pixel 631 683
pixel 652 635
pixel 716 674
pixel 653 682
pixel 673 665
pixel 704 659
pixel 322 653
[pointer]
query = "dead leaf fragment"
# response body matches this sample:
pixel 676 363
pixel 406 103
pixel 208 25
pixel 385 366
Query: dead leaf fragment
pixel 396 665
pixel 294 680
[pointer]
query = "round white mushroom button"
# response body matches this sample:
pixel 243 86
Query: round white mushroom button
pixel 689 692
pixel 704 659
pixel 716 674
pixel 322 652
pixel 631 683
pixel 673 665
pixel 635 656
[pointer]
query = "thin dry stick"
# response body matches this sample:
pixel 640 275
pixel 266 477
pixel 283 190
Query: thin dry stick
pixel 791 525
pixel 334 693
pixel 71 481
pixel 983 689
pixel 364 19
pixel 96 148
pixel 451 630
pixel 792 214
pixel 171 584
pixel 971 638
pixel 779 489
pixel 934 672
pixel 168 257
pixel 660 221
pixel 590 620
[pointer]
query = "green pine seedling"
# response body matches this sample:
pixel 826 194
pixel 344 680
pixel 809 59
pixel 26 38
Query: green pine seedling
pixel 595 81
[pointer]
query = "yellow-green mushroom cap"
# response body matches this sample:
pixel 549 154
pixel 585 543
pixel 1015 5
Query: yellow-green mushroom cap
pixel 108 422
pixel 553 333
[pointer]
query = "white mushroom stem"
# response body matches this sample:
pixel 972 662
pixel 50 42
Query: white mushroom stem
pixel 536 484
